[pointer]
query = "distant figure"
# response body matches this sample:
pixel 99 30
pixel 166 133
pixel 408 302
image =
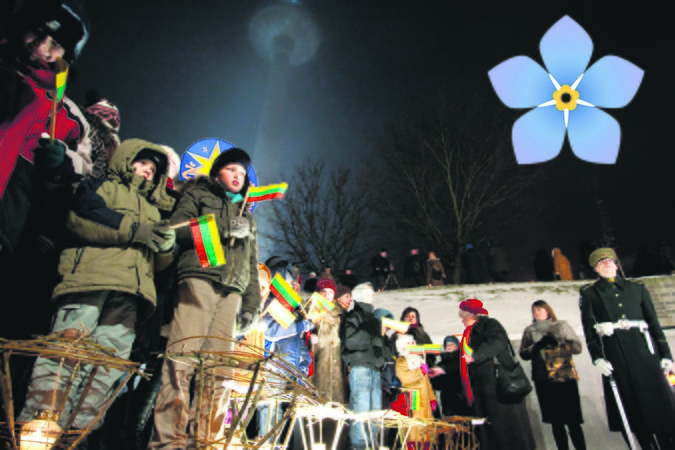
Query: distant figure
pixel 435 271
pixel 349 279
pixel 414 269
pixel 380 264
pixel 666 258
pixel 498 267
pixel 472 263
pixel 310 284
pixel 561 266
pixel 586 247
pixel 646 264
pixel 326 274
pixel 543 265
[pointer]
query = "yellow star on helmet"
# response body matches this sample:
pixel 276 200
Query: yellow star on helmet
pixel 205 163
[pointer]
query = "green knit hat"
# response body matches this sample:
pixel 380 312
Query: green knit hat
pixel 601 253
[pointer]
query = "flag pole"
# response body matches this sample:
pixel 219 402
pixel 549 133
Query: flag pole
pixel 241 211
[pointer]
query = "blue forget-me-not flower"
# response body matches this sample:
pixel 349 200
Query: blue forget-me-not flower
pixel 566 97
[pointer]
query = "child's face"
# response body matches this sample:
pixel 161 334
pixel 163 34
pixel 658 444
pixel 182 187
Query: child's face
pixel 145 168
pixel 42 47
pixel 232 176
pixel 451 347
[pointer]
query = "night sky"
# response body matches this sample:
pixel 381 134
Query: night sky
pixel 180 71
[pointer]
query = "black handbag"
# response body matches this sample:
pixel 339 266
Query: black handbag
pixel 512 383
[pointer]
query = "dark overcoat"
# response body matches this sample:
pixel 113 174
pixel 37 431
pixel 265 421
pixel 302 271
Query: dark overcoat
pixel 644 391
pixel 508 425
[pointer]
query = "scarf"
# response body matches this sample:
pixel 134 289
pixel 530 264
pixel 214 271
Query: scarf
pixel 464 370
pixel 234 197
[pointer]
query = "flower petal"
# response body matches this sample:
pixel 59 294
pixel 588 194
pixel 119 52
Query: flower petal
pixel 611 82
pixel 594 135
pixel 566 49
pixel 521 83
pixel 538 135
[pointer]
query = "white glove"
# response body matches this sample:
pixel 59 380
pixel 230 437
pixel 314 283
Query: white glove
pixel 604 366
pixel 666 365
pixel 604 329
pixel 239 227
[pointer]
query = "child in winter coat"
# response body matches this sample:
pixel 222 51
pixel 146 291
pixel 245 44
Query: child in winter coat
pixel 27 81
pixel 216 301
pixel 412 371
pixel 107 274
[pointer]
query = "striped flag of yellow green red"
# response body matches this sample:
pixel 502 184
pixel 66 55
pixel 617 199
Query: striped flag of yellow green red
pixel 61 78
pixel 269 192
pixel 465 348
pixel 279 313
pixel 322 302
pixel 285 293
pixel 432 349
pixel 415 400
pixel 207 241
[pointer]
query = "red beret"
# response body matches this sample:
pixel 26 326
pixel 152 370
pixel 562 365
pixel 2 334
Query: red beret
pixel 473 306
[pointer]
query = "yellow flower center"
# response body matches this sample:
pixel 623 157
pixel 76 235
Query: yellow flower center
pixel 566 98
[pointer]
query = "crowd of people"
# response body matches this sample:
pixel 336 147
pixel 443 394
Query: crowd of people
pixel 93 227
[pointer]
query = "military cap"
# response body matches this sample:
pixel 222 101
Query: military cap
pixel 599 254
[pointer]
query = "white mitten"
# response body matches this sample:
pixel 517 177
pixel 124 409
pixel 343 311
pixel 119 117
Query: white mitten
pixel 604 366
pixel 666 365
pixel 604 329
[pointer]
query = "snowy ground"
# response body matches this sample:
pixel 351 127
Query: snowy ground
pixel 510 303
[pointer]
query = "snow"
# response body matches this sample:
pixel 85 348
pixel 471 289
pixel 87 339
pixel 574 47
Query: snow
pixel 511 303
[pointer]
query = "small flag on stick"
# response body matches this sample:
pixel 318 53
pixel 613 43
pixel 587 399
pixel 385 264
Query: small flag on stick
pixel 432 349
pixel 285 293
pixel 280 313
pixel 415 400
pixel 59 90
pixel 207 241
pixel 322 302
pixel 398 325
pixel 269 192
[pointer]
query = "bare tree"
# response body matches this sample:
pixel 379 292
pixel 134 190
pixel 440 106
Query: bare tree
pixel 440 171
pixel 323 218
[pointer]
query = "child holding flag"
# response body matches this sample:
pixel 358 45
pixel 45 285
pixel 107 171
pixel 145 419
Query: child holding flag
pixel 38 36
pixel 212 301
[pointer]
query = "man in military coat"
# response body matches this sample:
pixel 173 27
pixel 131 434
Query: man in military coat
pixel 625 341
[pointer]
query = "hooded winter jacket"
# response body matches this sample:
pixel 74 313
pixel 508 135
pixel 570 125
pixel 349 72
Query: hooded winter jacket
pixel 240 271
pixel 106 212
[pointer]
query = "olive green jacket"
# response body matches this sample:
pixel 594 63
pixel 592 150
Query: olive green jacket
pixel 106 212
pixel 240 271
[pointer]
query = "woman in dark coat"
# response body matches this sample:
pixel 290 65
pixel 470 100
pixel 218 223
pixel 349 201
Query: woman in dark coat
pixel 558 400
pixel 508 424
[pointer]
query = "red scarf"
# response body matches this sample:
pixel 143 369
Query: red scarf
pixel 464 371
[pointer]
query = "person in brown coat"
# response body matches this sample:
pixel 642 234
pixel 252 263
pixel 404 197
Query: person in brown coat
pixel 412 371
pixel 562 267
pixel 435 271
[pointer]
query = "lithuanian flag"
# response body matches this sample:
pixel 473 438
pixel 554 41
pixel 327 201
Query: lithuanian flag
pixel 269 192
pixel 322 302
pixel 465 348
pixel 279 313
pixel 61 78
pixel 432 349
pixel 285 293
pixel 415 400
pixel 207 241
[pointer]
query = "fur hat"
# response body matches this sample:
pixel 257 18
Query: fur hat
pixel 474 306
pixel 233 155
pixel 65 21
pixel 402 340
pixel 326 283
pixel 601 253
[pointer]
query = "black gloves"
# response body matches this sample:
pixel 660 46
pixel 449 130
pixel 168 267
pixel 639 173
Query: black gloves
pixel 157 237
pixel 245 323
pixel 546 341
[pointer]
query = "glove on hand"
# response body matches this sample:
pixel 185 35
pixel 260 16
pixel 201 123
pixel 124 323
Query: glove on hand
pixel 239 227
pixel 48 154
pixel 604 366
pixel 666 365
pixel 434 405
pixel 162 229
pixel 245 323
pixel 547 341
pixel 424 368
pixel 605 329
pixel 154 237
